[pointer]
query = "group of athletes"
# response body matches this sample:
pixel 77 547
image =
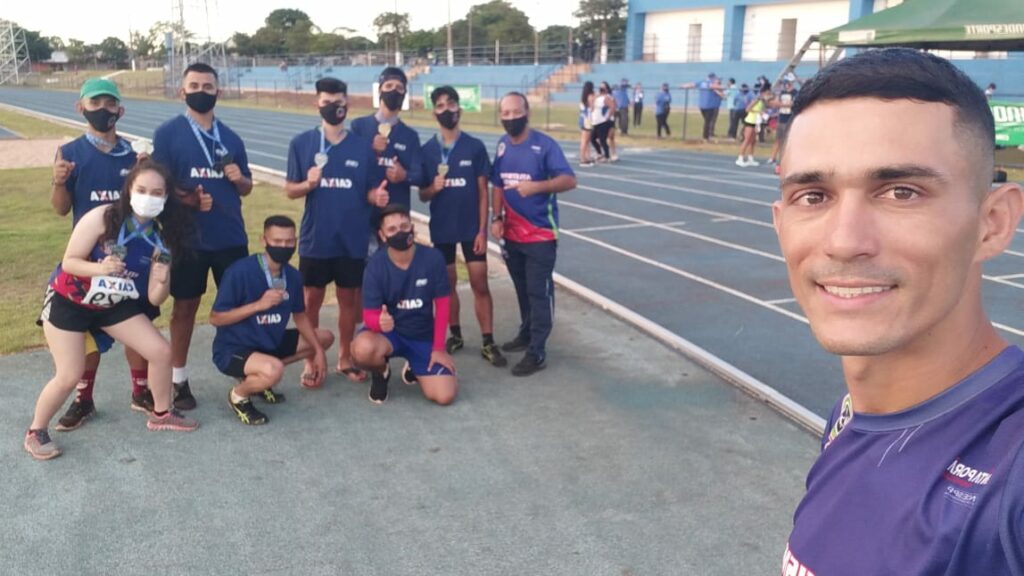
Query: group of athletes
pixel 151 220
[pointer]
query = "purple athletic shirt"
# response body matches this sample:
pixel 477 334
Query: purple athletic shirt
pixel 936 489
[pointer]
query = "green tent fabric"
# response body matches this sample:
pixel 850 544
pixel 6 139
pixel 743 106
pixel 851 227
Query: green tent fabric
pixel 982 25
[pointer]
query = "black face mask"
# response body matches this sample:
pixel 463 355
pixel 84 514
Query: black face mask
pixel 201 102
pixel 401 241
pixel 280 254
pixel 333 113
pixel 101 120
pixel 448 119
pixel 515 126
pixel 392 99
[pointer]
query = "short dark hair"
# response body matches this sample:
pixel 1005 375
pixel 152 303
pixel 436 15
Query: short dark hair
pixel 394 208
pixel 451 93
pixel 526 101
pixel 278 220
pixel 202 68
pixel 328 85
pixel 903 74
pixel 393 72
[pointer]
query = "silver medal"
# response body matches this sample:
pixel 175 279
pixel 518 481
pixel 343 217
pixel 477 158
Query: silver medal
pixel 142 146
pixel 320 160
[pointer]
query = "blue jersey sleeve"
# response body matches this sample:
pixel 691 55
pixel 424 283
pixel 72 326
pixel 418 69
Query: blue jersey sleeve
pixel 162 147
pixel 295 293
pixel 482 162
pixel 68 153
pixel 439 271
pixel 415 169
pixel 231 292
pixel 496 170
pixel 555 163
pixel 242 160
pixel 373 290
pixel 295 172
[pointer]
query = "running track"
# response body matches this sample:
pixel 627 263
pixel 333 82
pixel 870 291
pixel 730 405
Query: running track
pixel 681 238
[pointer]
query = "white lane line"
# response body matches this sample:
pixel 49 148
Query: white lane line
pixel 694 191
pixel 667 228
pixel 999 280
pixel 717 179
pixel 711 165
pixel 689 276
pixel 622 226
pixel 686 207
pixel 1009 276
pixel 782 301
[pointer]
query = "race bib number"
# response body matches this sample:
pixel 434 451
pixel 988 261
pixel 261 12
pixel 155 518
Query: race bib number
pixel 109 291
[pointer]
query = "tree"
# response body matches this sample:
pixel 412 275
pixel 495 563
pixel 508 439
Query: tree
pixel 113 51
pixel 39 48
pixel 391 26
pixel 554 41
pixel 55 42
pixel 495 20
pixel 242 44
pixel 597 16
pixel 284 19
pixel 77 51
pixel 424 41
pixel 142 46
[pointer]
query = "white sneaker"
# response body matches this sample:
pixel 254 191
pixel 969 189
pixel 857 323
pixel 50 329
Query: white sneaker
pixel 615 158
pixel 752 162
pixel 741 163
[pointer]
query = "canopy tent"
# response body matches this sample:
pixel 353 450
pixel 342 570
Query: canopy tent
pixel 981 25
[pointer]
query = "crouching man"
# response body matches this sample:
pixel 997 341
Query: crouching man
pixel 256 298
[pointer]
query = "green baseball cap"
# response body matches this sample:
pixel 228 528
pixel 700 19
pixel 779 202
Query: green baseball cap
pixel 94 87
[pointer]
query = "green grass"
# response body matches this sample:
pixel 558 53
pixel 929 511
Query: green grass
pixel 29 127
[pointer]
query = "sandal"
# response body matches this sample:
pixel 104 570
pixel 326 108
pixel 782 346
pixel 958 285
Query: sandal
pixel 308 381
pixel 353 374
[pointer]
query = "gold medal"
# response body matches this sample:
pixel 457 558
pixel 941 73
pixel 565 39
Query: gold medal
pixel 384 129
pixel 442 170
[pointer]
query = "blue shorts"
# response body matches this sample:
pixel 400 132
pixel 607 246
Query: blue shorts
pixel 417 352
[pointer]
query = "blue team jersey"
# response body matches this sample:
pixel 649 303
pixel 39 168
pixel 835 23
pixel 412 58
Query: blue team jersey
pixel 936 489
pixel 191 159
pixel 408 294
pixel 403 142
pixel 98 177
pixel 245 282
pixel 707 97
pixel 455 211
pixel 534 218
pixel 336 221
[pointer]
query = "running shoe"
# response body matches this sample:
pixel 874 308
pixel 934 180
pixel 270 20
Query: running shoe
pixel 271 397
pixel 516 345
pixel 528 365
pixel 77 414
pixel 40 446
pixel 379 385
pixel 454 343
pixel 246 412
pixel 408 376
pixel 171 420
pixel 491 353
pixel 183 398
pixel 143 401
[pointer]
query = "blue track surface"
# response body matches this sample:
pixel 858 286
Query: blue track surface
pixel 682 238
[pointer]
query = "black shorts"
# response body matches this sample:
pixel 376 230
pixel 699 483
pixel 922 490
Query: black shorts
pixel 750 124
pixel 344 272
pixel 67 315
pixel 235 365
pixel 189 275
pixel 448 250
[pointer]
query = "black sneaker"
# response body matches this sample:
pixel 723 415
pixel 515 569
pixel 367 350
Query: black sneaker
pixel 516 345
pixel 183 399
pixel 528 365
pixel 454 343
pixel 246 412
pixel 77 414
pixel 408 376
pixel 491 353
pixel 379 385
pixel 271 397
pixel 143 401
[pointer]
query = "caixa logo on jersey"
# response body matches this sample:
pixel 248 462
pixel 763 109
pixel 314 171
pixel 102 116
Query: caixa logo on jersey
pixel 335 183
pixel 268 319
pixel 455 183
pixel 410 304
pixel 104 195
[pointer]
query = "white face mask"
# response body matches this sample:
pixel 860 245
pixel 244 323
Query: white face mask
pixel 146 206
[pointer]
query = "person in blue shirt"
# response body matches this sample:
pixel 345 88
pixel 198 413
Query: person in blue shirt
pixel 621 95
pixel 396 144
pixel 732 93
pixel 709 99
pixel 921 469
pixel 662 108
pixel 458 168
pixel 257 297
pixel 211 171
pixel 334 171
pixel 738 110
pixel 406 298
pixel 88 172
pixel 529 171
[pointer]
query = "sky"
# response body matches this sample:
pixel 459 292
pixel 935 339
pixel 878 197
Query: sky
pixel 92 22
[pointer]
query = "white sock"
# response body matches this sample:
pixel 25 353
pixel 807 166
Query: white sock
pixel 179 375
pixel 235 398
pixel 750 158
